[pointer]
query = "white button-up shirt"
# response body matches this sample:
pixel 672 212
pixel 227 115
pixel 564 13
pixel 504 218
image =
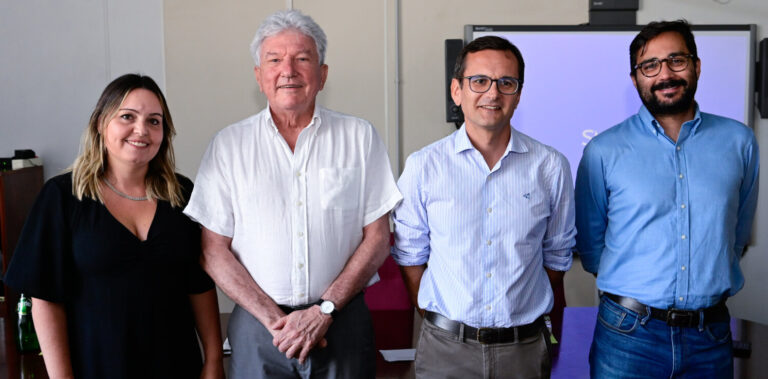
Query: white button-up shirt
pixel 295 218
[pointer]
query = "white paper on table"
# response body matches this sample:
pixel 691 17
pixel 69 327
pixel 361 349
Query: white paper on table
pixel 399 355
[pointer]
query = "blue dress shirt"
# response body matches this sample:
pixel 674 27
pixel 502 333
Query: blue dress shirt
pixel 486 234
pixel 666 222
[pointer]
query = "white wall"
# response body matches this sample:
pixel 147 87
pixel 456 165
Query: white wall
pixel 57 57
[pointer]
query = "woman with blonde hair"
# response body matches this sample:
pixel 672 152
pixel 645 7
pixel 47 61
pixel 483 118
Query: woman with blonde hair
pixel 110 260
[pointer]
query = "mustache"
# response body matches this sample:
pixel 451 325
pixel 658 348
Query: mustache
pixel 669 84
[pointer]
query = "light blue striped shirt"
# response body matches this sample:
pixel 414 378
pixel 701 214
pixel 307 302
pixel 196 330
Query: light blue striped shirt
pixel 666 222
pixel 486 235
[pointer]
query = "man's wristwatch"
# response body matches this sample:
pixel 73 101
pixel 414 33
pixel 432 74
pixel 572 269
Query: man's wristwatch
pixel 327 307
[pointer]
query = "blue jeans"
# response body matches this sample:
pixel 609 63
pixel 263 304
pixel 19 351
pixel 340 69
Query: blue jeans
pixel 627 345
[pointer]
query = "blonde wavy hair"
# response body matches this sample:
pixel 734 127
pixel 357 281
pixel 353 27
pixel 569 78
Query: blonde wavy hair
pixel 90 166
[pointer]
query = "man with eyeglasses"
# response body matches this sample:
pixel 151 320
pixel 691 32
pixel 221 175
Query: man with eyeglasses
pixel 664 208
pixel 486 224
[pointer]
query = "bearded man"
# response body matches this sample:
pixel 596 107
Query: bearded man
pixel 664 208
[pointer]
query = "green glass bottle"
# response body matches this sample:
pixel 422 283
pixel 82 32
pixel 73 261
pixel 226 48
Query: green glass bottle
pixel 26 338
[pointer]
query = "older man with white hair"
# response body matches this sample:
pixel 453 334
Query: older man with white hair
pixel 294 204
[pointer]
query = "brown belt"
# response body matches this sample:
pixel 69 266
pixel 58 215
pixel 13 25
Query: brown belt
pixel 486 335
pixel 675 317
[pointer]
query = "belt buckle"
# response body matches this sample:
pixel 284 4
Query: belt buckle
pixel 676 317
pixel 485 335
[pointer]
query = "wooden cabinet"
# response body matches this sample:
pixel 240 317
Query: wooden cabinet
pixel 18 191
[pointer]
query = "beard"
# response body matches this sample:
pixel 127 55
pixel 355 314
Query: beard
pixel 657 107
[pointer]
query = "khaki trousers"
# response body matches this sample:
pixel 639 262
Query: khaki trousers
pixel 441 354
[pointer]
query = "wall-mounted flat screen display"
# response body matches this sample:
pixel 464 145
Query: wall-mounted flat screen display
pixel 577 81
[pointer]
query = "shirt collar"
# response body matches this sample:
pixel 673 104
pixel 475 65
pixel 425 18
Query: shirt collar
pixel 461 141
pixel 648 120
pixel 314 124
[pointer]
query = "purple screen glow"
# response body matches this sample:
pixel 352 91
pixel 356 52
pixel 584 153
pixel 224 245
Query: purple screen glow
pixel 577 83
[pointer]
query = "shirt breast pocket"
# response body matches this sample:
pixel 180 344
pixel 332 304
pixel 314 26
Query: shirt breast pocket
pixel 340 188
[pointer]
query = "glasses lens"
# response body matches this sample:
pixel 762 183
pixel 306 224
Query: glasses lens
pixel 479 83
pixel 677 63
pixel 482 83
pixel 650 68
pixel 507 86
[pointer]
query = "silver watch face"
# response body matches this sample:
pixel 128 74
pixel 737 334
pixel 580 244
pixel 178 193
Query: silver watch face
pixel 327 307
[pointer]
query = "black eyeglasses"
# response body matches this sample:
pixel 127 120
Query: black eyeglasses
pixel 482 83
pixel 652 67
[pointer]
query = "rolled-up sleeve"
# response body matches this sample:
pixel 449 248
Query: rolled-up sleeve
pixel 591 208
pixel 560 234
pixel 410 218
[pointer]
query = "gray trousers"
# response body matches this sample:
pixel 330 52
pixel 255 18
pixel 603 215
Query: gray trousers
pixel 350 352
pixel 441 354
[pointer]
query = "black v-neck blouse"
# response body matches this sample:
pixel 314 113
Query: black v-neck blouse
pixel 126 300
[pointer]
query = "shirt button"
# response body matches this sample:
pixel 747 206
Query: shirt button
pixel 680 298
pixel 488 275
pixel 301 234
pixel 683 268
pixel 298 174
pixel 487 307
pixel 490 210
pixel 678 148
pixel 301 294
pixel 301 265
pixel 683 236
pixel 488 242
pixel 681 176
pixel 299 203
pixel 682 206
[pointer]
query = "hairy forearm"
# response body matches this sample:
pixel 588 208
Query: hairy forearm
pixel 51 327
pixel 299 332
pixel 363 264
pixel 412 279
pixel 230 275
